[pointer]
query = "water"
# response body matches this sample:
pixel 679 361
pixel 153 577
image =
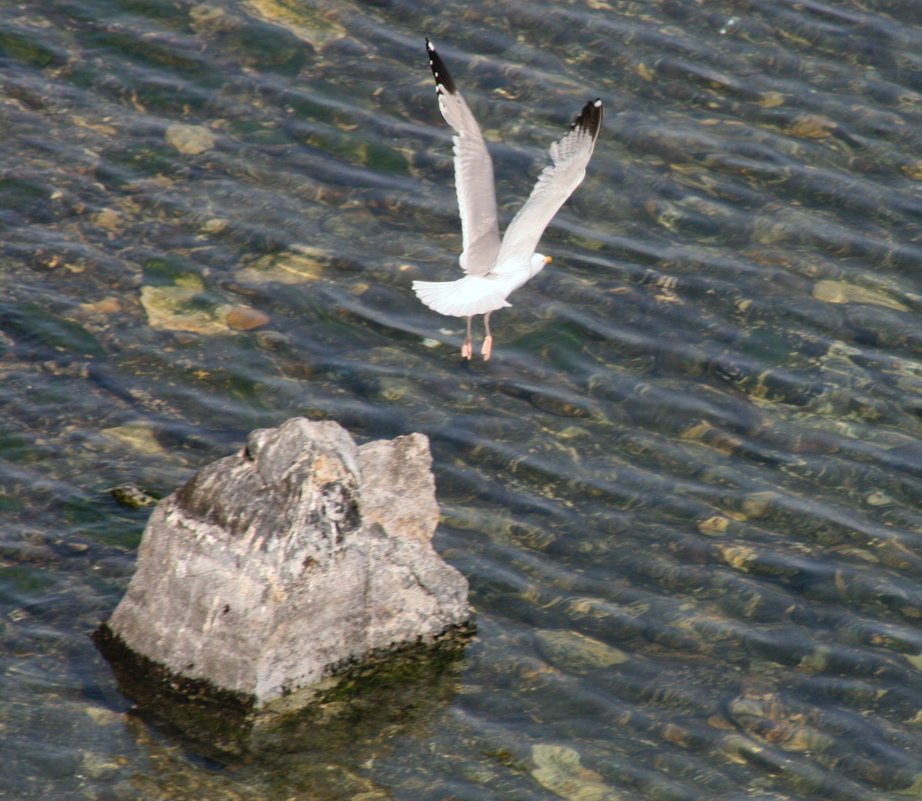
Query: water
pixel 685 490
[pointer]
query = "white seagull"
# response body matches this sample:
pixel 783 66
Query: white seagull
pixel 494 267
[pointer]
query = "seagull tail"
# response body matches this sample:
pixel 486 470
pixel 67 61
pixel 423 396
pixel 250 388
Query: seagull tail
pixel 472 294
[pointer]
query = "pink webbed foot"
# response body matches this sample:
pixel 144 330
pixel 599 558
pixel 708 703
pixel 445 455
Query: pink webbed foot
pixel 487 348
pixel 466 351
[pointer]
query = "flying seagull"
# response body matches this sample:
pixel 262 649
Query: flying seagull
pixel 494 267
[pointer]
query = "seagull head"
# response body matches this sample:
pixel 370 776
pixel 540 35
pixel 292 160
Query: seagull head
pixel 538 260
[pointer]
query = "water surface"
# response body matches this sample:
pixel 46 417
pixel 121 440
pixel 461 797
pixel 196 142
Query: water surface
pixel 686 488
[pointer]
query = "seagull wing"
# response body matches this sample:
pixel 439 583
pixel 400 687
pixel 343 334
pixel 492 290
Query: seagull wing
pixel 569 158
pixel 473 174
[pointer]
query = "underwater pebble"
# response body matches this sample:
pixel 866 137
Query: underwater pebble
pixel 714 526
pixel 770 99
pixel 915 660
pixel 315 26
pixel 99 766
pixel 190 139
pixel 811 126
pixel 110 220
pixel 132 496
pixel 879 498
pixel 138 435
pixel 243 318
pixel 110 305
pixel 171 308
pixel 843 292
pixel 285 268
pixel 577 652
pixel 558 769
pixel 738 556
pixel 758 504
pixel 215 225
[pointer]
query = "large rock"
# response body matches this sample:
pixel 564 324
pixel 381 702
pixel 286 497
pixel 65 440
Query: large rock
pixel 275 570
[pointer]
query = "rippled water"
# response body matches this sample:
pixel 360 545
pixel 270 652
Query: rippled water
pixel 686 489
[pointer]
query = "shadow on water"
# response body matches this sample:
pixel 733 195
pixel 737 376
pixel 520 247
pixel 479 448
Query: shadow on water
pixel 353 714
pixel 686 489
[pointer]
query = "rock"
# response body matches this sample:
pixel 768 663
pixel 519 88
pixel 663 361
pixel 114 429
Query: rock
pixel 844 292
pixel 394 471
pixel 182 308
pixel 576 652
pixel 276 570
pixel 558 769
pixel 132 496
pixel 243 318
pixel 137 434
pixel 190 139
pixel 298 266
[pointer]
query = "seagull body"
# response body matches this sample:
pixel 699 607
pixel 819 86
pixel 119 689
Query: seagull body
pixel 496 267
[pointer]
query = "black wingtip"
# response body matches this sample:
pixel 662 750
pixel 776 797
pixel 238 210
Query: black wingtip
pixel 443 81
pixel 590 118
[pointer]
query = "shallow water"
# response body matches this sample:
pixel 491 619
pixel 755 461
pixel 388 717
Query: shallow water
pixel 686 488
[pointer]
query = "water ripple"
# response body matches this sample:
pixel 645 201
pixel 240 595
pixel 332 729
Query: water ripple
pixel 685 490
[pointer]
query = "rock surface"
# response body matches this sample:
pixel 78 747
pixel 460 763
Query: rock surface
pixel 276 568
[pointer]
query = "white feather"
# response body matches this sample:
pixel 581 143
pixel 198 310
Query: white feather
pixel 472 294
pixel 495 267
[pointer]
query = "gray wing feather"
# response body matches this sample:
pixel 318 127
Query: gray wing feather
pixel 473 175
pixel 569 158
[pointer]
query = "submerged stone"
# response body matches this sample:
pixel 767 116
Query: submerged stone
pixel 576 652
pixel 559 769
pixel 289 575
pixel 183 308
pixel 190 139
pixel 844 292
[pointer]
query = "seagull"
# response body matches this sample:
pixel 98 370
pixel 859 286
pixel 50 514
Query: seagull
pixel 494 268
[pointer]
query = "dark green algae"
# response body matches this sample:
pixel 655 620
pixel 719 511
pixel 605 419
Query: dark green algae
pixel 355 703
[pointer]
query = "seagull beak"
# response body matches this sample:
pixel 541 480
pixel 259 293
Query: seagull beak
pixel 549 260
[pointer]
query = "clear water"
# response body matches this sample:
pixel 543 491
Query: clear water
pixel 686 490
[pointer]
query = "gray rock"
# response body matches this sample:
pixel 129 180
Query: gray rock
pixel 393 472
pixel 275 569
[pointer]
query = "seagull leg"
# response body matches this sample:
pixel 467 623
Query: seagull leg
pixel 488 339
pixel 466 351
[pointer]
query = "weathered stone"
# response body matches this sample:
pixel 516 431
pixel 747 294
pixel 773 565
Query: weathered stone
pixel 392 472
pixel 274 570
